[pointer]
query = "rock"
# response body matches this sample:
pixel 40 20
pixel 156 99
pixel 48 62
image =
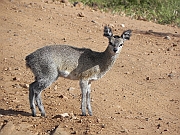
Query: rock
pixel 55 87
pixel 98 120
pixel 74 132
pixel 15 34
pixel 167 37
pixel 172 74
pixel 17 68
pixel 7 69
pixel 123 130
pixel 127 72
pixel 81 14
pixel 147 78
pixel 122 25
pixel 71 88
pixel 8 129
pixel 16 86
pixel 103 126
pixel 78 4
pixel 60 131
pixel 93 21
pixel 73 116
pixel 158 126
pixel 64 1
pixel 111 25
pixel 24 85
pixel 170 49
pixel 174 45
pixel 64 115
pixel 62 96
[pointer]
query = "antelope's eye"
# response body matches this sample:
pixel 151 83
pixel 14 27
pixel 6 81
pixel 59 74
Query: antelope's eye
pixel 110 43
pixel 120 45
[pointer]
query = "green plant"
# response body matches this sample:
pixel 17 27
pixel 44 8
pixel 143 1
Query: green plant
pixel 159 11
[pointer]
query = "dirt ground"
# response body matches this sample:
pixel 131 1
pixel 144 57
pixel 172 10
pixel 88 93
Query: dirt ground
pixel 139 95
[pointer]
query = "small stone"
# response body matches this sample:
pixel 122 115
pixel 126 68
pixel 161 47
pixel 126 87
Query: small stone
pixel 170 49
pixel 127 73
pixel 98 120
pixel 158 126
pixel 60 131
pixel 78 4
pixel 17 68
pixel 7 68
pixel 174 44
pixel 29 6
pixel 122 25
pixel 72 116
pixel 103 126
pixel 147 78
pixel 55 87
pixel 24 85
pixel 16 79
pixel 64 1
pixel 167 37
pixel 62 96
pixel 74 132
pixel 71 88
pixel 40 19
pixel 80 121
pixel 93 21
pixel 16 86
pixel 15 34
pixel 64 115
pixel 111 25
pixel 146 119
pixel 8 129
pixel 172 74
pixel 81 14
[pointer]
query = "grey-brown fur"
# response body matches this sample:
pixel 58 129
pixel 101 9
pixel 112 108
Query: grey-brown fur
pixel 50 62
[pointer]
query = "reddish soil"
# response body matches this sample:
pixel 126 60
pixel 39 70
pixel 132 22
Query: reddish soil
pixel 139 95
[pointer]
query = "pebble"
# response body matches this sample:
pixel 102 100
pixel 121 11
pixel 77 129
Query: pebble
pixel 172 74
pixel 62 96
pixel 64 1
pixel 147 78
pixel 24 85
pixel 74 132
pixel 60 131
pixel 73 117
pixel 170 49
pixel 103 126
pixel 64 115
pixel 16 79
pixel 111 25
pixel 122 25
pixel 167 37
pixel 55 87
pixel 16 86
pixel 15 34
pixel 7 68
pixel 71 88
pixel 98 120
pixel 81 14
pixel 78 4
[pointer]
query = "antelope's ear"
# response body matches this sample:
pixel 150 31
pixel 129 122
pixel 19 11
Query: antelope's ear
pixel 107 32
pixel 126 34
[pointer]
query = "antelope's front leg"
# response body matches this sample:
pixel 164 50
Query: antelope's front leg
pixel 84 88
pixel 89 99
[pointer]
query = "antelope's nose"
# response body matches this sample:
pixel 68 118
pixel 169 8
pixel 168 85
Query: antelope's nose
pixel 115 49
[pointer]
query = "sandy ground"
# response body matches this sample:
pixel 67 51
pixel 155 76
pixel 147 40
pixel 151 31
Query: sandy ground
pixel 139 95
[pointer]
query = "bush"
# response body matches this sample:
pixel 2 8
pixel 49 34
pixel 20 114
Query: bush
pixel 159 11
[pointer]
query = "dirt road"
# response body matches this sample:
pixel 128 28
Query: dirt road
pixel 139 95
